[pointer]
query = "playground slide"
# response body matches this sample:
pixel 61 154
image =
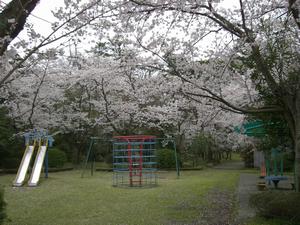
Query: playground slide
pixel 24 166
pixel 37 168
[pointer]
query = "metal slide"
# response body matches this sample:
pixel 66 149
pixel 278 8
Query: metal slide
pixel 24 166
pixel 37 168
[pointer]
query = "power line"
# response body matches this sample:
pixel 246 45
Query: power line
pixel 47 21
pixel 40 18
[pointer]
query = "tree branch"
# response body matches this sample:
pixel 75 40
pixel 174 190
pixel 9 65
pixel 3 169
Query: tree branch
pixel 47 41
pixel 211 14
pixel 233 107
pixel 36 95
pixel 244 20
pixel 106 107
pixel 294 10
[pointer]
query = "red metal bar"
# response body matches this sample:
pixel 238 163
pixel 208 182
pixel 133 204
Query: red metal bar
pixel 135 170
pixel 141 162
pixel 135 137
pixel 130 163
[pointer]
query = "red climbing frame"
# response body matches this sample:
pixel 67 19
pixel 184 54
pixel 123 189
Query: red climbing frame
pixel 135 162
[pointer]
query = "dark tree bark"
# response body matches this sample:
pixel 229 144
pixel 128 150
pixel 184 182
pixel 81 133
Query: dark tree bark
pixel 13 19
pixel 297 141
pixel 293 9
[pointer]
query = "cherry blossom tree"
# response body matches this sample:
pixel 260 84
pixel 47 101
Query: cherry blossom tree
pixel 164 79
pixel 32 98
pixel 258 40
pixel 69 23
pixel 114 94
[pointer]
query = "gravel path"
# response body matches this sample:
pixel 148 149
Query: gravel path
pixel 247 186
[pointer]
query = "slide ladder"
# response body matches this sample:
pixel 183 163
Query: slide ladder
pixel 23 168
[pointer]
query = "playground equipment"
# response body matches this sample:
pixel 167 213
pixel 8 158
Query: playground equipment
pixel 275 172
pixel 33 139
pixel 134 159
pixel 252 129
pixel 91 153
pixel 269 168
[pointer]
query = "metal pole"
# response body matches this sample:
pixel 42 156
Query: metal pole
pixel 46 164
pixel 141 163
pixel 268 167
pixel 88 156
pixel 92 166
pixel 130 162
pixel 49 144
pixel 176 159
pixel 275 163
pixel 93 162
pixel 281 165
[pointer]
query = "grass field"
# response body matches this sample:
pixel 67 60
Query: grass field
pixel 261 221
pixel 66 199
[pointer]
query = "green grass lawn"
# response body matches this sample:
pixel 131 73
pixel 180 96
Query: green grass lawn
pixel 66 199
pixel 262 221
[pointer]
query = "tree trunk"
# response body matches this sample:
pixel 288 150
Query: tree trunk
pixel 297 143
pixel 13 19
pixel 297 157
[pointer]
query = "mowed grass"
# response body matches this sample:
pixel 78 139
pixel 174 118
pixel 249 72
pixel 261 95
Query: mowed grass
pixel 66 199
pixel 262 221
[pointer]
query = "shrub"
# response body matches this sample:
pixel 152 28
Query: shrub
pixel 280 205
pixel 2 206
pixel 57 158
pixel 108 158
pixel 247 156
pixel 11 147
pixel 166 158
pixel 11 163
pixel 288 162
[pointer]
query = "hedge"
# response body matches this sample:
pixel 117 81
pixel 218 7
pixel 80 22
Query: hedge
pixel 280 205
pixel 57 158
pixel 2 206
pixel 166 158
